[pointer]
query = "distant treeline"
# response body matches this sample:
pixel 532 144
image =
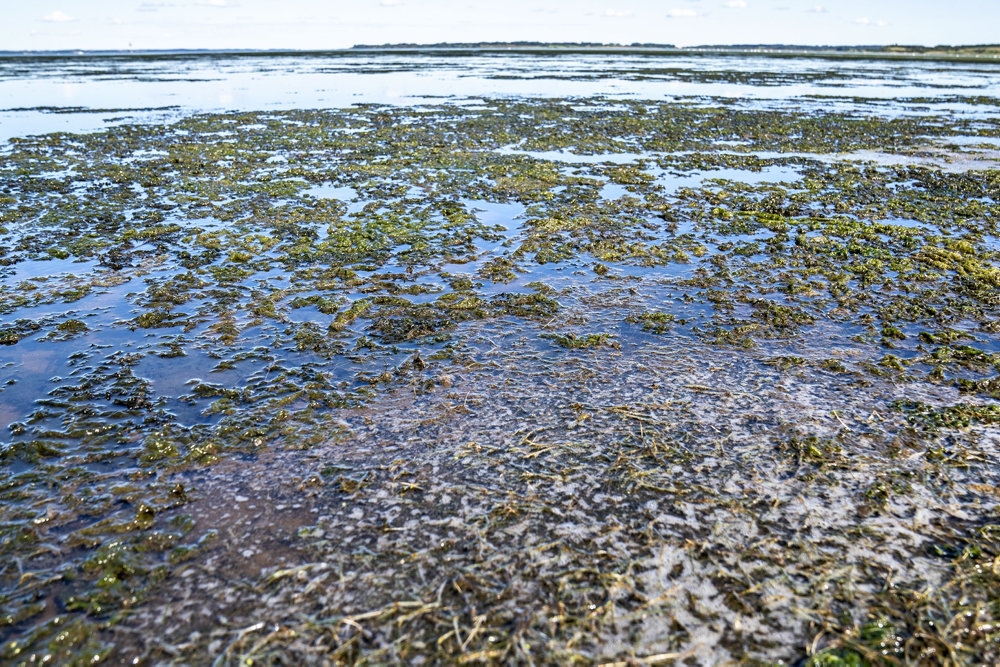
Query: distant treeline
pixel 971 49
pixel 513 45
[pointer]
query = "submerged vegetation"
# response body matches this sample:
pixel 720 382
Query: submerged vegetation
pixel 590 379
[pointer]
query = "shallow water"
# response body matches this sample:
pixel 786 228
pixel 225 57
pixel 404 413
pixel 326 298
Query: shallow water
pixel 348 357
pixel 49 94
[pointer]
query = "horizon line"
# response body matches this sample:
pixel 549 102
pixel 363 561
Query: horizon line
pixel 526 44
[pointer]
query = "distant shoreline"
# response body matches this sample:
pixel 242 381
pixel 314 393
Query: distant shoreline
pixel 977 53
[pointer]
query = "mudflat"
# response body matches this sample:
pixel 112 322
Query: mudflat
pixel 676 361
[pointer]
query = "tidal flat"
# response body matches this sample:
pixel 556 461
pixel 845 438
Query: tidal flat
pixel 602 360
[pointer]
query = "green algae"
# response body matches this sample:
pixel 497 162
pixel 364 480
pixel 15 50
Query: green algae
pixel 949 417
pixel 572 341
pixel 214 247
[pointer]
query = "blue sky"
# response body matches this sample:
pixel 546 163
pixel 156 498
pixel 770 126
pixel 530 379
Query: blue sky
pixel 317 24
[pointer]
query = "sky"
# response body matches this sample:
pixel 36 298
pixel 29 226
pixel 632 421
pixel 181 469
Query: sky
pixel 332 24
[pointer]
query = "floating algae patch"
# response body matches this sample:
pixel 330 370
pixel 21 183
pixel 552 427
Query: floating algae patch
pixel 508 402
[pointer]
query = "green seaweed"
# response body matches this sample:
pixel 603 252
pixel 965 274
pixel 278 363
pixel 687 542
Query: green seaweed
pixel 198 306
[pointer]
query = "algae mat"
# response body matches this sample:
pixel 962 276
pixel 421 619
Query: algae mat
pixel 545 380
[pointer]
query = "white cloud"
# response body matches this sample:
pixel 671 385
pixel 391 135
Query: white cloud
pixel 864 20
pixel 736 4
pixel 389 3
pixel 818 9
pixel 214 3
pixel 681 13
pixel 618 13
pixel 58 17
pixel 153 6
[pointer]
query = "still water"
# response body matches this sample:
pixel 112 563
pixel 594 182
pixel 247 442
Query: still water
pixel 84 93
pixel 345 356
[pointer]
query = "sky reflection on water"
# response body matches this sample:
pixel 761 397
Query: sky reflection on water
pixel 157 88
